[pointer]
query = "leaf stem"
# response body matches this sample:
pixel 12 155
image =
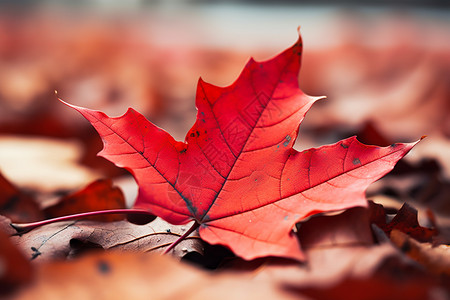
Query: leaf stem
pixel 183 237
pixel 24 227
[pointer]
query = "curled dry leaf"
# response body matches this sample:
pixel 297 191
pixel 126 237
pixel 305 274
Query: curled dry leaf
pixel 66 239
pixel 405 220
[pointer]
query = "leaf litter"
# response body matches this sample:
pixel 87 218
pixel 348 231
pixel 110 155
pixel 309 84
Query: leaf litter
pixel 345 242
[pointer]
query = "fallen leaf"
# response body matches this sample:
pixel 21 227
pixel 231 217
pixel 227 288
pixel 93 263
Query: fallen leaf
pixel 405 220
pixel 346 229
pixel 99 195
pixel 140 276
pixel 16 205
pixel 435 258
pixel 421 184
pixel 384 283
pixel 236 173
pixel 67 239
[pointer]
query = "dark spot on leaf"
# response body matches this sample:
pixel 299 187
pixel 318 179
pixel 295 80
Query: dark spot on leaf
pixel 192 134
pixel 35 253
pixel 393 145
pixel 344 146
pixel 103 267
pixel 168 230
pixel 286 142
pixel 298 51
pixel 183 151
pixel 356 161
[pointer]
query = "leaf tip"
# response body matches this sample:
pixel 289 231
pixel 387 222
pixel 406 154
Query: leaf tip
pixel 317 98
pixel 418 141
pixel 78 108
pixel 62 101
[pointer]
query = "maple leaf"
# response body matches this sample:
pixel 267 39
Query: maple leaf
pixel 236 174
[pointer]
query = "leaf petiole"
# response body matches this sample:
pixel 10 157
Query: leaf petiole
pixel 181 238
pixel 25 227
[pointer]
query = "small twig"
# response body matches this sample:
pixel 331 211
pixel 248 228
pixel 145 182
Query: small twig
pixel 183 237
pixel 24 227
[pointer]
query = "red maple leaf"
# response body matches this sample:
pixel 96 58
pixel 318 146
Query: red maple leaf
pixel 237 175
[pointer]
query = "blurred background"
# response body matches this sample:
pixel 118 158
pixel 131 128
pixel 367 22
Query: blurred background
pixel 384 66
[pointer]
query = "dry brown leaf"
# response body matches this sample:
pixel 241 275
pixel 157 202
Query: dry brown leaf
pixel 66 239
pixel 405 220
pixel 383 284
pixel 137 276
pixel 435 259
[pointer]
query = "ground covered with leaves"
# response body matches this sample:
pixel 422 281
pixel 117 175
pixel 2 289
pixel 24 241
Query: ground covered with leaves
pixel 393 246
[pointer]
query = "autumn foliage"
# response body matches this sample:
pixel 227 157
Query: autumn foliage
pixel 236 173
pixel 235 197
